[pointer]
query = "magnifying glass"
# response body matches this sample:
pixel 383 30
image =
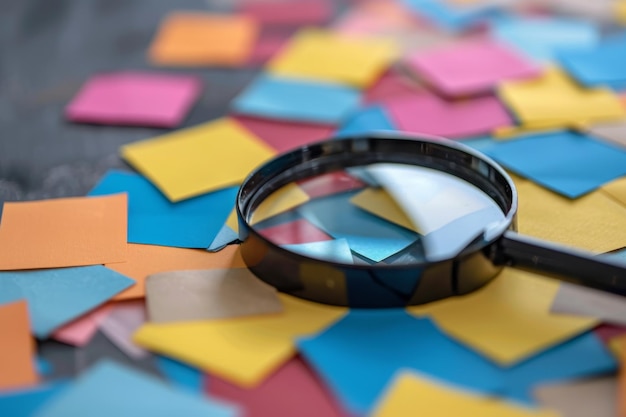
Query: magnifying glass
pixel 388 220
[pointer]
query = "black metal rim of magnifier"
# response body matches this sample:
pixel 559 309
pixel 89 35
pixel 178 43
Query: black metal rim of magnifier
pixel 397 285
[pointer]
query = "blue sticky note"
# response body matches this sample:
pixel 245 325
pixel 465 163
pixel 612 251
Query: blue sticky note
pixel 58 296
pixel 224 237
pixel 180 374
pixel 602 65
pixel 24 403
pixel 154 220
pixel 110 389
pixel 43 366
pixel 542 38
pixel 453 18
pixel 366 234
pixel 336 250
pixel 567 162
pixel 366 120
pixel 297 100
pixel 359 355
pixel 481 144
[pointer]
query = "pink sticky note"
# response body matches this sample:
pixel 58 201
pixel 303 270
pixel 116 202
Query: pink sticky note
pixel 283 135
pixel 428 114
pixel 390 85
pixel 134 98
pixel 328 184
pixel 287 12
pixel 470 67
pixel 79 332
pixel 291 233
pixel 292 391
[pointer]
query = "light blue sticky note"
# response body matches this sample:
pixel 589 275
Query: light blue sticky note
pixel 224 237
pixel 58 296
pixel 297 99
pixel 567 162
pixel 336 250
pixel 453 18
pixel 181 374
pixel 359 355
pixel 24 403
pixel 154 220
pixel 542 38
pixel 43 366
pixel 366 234
pixel 602 65
pixel 369 119
pixel 110 389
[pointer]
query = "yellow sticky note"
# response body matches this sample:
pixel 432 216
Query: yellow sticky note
pixel 616 189
pixel 327 56
pixel 554 100
pixel 594 222
pixel 412 395
pixel 509 319
pixel 197 160
pixel 280 201
pixel 232 221
pixel 379 202
pixel 242 350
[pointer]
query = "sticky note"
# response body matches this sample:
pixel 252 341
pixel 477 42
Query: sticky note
pixel 203 39
pixel 449 119
pixel 329 184
pixel 375 18
pixel 293 233
pixel 180 374
pixel 336 250
pixel 63 232
pixel 366 120
pixel 572 164
pixel 224 237
pixel 412 394
pixel 594 222
pixel 288 13
pixel 193 295
pixel 197 160
pixel 154 220
pixel 24 403
pixel 613 132
pixel 377 201
pixel 542 38
pixel 553 101
pixel 323 55
pixel 284 199
pixel 292 390
pixel 134 98
pixel 283 135
pixel 144 260
pixel 122 322
pixel 588 302
pixel 508 320
pixel 450 17
pixel 608 332
pixel 243 350
pixel 391 84
pixel 470 67
pixel 129 393
pixel 266 46
pixel 17 350
pixel 595 397
pixel 80 331
pixel 57 296
pixel 296 100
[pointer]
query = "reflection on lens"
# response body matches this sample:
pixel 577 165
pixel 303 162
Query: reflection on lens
pixel 389 213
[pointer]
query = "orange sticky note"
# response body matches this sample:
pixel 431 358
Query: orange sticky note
pixel 196 39
pixel 63 232
pixel 17 367
pixel 144 260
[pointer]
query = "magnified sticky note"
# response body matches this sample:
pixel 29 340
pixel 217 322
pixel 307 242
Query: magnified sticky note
pixel 153 219
pixel 17 350
pixel 58 296
pixel 294 233
pixel 449 119
pixel 336 250
pixel 329 184
pixel 470 67
pixel 193 161
pixel 144 260
pixel 134 98
pixel 125 318
pixel 193 295
pixel 377 201
pixel 242 350
pixel 509 320
pixel 284 199
pixel 203 39
pixel 80 331
pixel 297 99
pixel 323 55
pixel 413 394
pixel 288 13
pixel 63 232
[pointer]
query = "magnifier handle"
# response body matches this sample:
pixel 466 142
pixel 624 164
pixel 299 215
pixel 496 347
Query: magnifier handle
pixel 561 262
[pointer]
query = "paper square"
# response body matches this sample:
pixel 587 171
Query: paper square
pixel 287 12
pixel 134 98
pixel 296 100
pixel 63 232
pixel 203 39
pixel 197 160
pixel 365 121
pixel 80 331
pixel 17 350
pixel 326 56
pixel 470 67
pixel 125 318
pixel 293 233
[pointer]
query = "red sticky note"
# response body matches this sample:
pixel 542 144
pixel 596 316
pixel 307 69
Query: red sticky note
pixel 287 12
pixel 428 114
pixel 391 85
pixel 291 233
pixel 135 98
pixel 606 332
pixel 282 135
pixel 292 391
pixel 329 184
